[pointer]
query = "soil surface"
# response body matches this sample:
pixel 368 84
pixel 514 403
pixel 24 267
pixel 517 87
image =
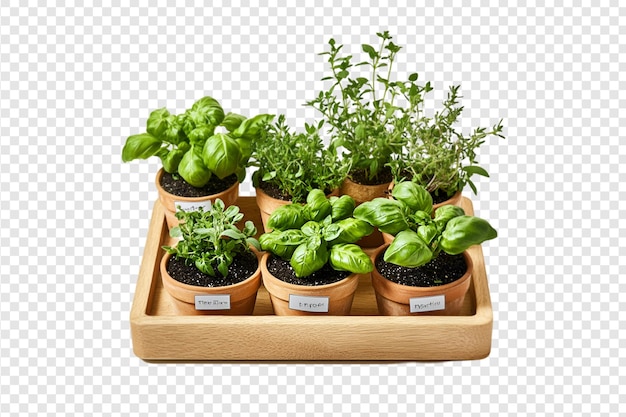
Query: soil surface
pixel 359 176
pixel 184 271
pixel 444 269
pixel 178 186
pixel 282 270
pixel 275 192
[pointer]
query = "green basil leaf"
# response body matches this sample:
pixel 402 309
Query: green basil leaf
pixel 140 146
pixel 351 230
pixel 342 207
pixel 221 155
pixel 290 216
pixel 408 250
pixel 427 233
pixel 351 258
pixel 317 205
pixel 464 231
pixel 200 134
pixel 305 261
pixel 158 122
pixel 311 228
pixel 445 213
pixel 172 160
pixel 232 121
pixel 193 170
pixel 331 232
pixel 414 196
pixel 250 128
pixel 282 244
pixel 210 111
pixel 383 213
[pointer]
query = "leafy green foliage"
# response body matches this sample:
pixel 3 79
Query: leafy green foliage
pixel 310 236
pixel 364 113
pixel 189 145
pixel 419 238
pixel 211 239
pixel 296 163
pixel 436 155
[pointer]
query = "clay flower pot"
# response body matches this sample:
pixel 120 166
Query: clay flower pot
pixel 268 204
pixel 242 295
pixel 362 193
pixel 331 299
pixel 399 300
pixel 171 201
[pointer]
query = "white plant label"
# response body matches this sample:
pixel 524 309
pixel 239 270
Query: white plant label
pixel 213 302
pixel 422 304
pixel 193 206
pixel 307 303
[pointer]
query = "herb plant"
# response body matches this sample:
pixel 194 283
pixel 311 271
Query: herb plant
pixel 296 163
pixel 323 230
pixel 419 238
pixel 436 155
pixel 364 113
pixel 211 239
pixel 190 144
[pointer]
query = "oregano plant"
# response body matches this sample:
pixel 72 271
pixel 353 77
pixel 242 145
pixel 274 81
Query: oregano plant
pixel 367 111
pixel 211 239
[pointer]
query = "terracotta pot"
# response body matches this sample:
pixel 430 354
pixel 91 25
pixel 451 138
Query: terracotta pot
pixel 171 201
pixel 455 200
pixel 242 294
pixel 336 298
pixel 268 204
pixel 362 193
pixel 396 299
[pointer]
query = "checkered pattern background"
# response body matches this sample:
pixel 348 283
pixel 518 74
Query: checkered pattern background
pixel 76 80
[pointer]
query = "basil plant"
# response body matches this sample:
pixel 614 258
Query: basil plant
pixel 200 143
pixel 319 232
pixel 419 236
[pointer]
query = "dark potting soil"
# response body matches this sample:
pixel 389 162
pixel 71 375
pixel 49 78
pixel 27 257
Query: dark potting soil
pixel 178 186
pixel 242 268
pixel 359 176
pixel 275 192
pixel 444 269
pixel 282 270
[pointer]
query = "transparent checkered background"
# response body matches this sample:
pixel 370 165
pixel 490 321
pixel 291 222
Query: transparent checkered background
pixel 76 80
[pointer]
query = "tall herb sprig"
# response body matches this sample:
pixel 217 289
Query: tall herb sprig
pixel 439 157
pixel 362 112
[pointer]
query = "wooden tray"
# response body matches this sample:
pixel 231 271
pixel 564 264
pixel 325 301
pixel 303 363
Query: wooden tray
pixel 159 334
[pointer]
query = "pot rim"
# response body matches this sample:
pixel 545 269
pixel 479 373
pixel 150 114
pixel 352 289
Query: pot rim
pixel 175 197
pixel 198 288
pixel 265 272
pixel 439 288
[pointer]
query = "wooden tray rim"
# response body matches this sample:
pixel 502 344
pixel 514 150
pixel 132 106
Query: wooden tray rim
pixel 141 321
